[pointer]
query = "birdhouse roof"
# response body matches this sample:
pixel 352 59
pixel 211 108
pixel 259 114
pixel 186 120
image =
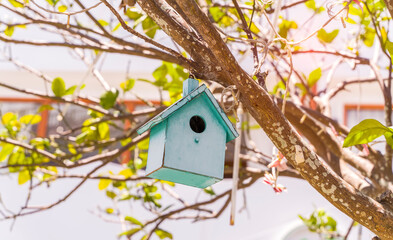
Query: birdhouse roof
pixel 227 125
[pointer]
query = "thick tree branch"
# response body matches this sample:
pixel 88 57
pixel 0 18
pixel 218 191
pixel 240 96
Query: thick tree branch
pixel 209 33
pixel 258 102
pixel 389 5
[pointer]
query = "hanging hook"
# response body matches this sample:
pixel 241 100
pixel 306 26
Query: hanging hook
pixel 191 75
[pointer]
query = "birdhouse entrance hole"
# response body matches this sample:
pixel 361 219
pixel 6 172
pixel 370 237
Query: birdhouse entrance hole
pixel 197 124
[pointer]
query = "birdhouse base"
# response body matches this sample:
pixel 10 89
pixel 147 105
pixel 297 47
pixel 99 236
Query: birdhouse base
pixel 183 177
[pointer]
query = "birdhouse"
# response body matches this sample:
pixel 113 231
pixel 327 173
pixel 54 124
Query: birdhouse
pixel 187 140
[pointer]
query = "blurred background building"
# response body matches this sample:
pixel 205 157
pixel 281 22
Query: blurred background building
pixel 266 215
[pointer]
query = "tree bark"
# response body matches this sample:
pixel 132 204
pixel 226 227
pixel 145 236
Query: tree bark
pixel 389 5
pixel 258 102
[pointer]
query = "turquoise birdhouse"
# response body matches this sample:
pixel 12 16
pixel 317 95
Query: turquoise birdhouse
pixel 187 140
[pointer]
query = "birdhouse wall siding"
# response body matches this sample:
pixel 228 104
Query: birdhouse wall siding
pixel 156 147
pixel 202 153
pixel 187 178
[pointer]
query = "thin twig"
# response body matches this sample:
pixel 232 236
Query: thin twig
pixel 132 31
pixel 33 149
pixel 58 99
pixel 349 230
pixel 247 30
pixel 66 13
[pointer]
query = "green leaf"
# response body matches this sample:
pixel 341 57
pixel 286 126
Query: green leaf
pixel 40 143
pixel 108 99
pixel 384 36
pixel 9 31
pixel 21 26
pixel 52 169
pixel 126 173
pixel 279 85
pixel 104 183
pixel 139 20
pixel 103 130
pixel 389 47
pixel 216 13
pixel 388 136
pixel 157 196
pixel 81 137
pixel 53 2
pixel 127 85
pixel 8 117
pixel 160 75
pixel 302 88
pixel 172 184
pixel 71 148
pixel 124 142
pixel 254 28
pixel 103 22
pixel 94 114
pixel 221 17
pixel 350 20
pixel 326 37
pixel 45 107
pixel 355 11
pixel 109 210
pixel 17 157
pixel 116 27
pixel 331 224
pixel 145 237
pixel 30 119
pixel 110 194
pixel 365 132
pixel 285 26
pixel 16 3
pixel 58 87
pixel 133 14
pixel 149 27
pixel 70 90
pixel 130 232
pixel 209 190
pixel 6 150
pixel 144 144
pixel 180 71
pixel 314 77
pixel 23 177
pixel 368 37
pixel 119 184
pixel 62 8
pixel 311 5
pixel 320 212
pixel 175 90
pixel 162 234
pixel 306 221
pixel 133 220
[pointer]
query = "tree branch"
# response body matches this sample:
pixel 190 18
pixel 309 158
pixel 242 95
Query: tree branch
pixel 33 149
